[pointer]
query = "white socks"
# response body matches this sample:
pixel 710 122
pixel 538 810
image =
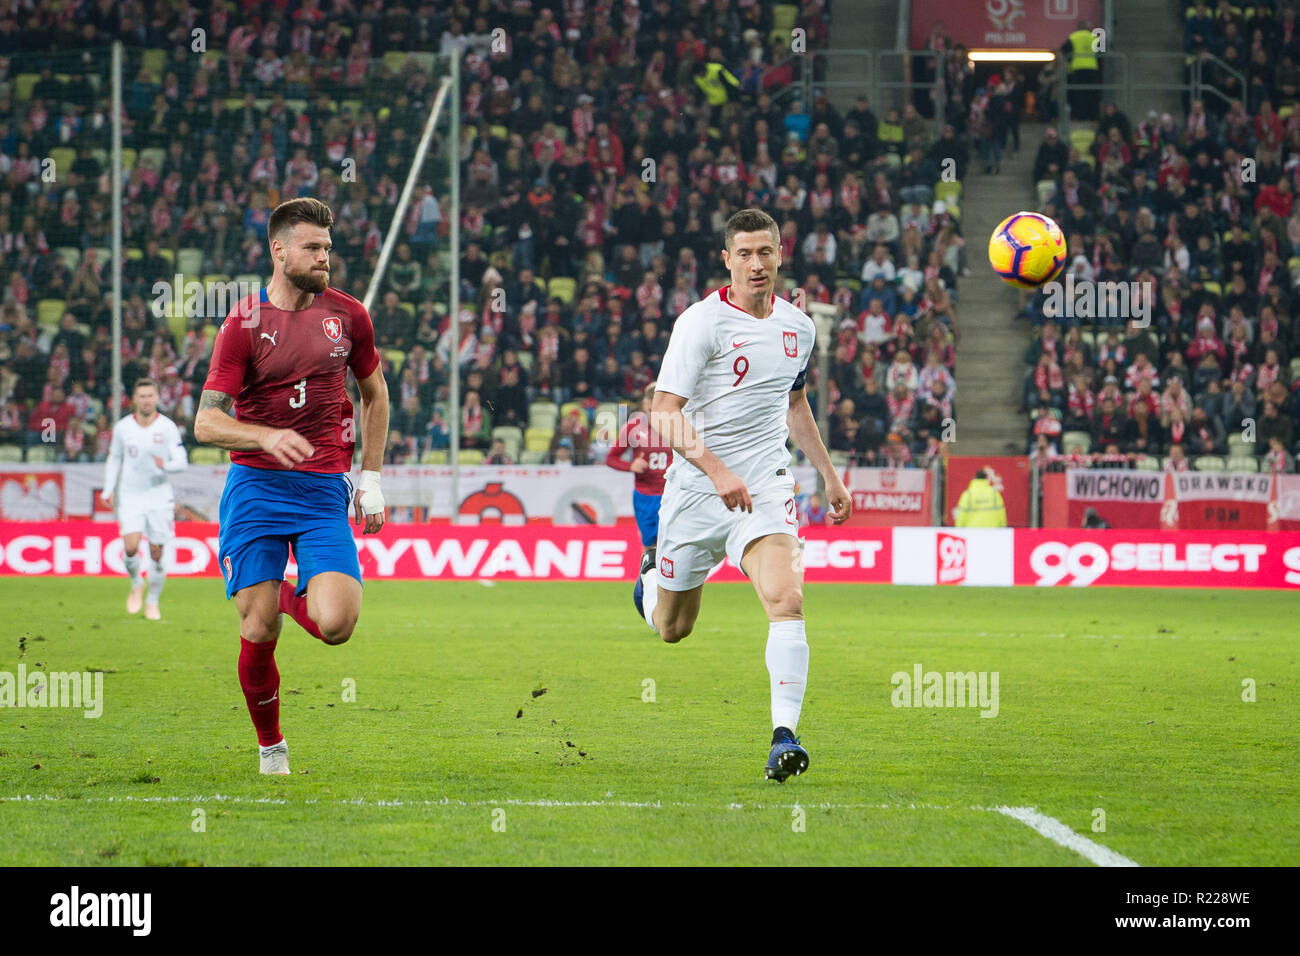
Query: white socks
pixel 650 597
pixel 157 577
pixel 132 562
pixel 787 668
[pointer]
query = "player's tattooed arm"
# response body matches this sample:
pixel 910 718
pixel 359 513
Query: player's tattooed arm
pixel 214 399
pixel 213 425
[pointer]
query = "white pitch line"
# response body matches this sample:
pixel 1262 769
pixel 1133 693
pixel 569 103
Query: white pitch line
pixel 1059 833
pixel 1050 827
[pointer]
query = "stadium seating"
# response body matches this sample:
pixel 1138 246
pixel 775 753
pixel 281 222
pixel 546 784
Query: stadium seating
pixel 70 256
pixel 562 288
pixel 206 455
pixel 543 415
pixel 153 63
pixel 63 158
pixel 512 437
pixel 1239 447
pixel 50 311
pixel 606 422
pixel 23 84
pixel 1108 186
pixel 538 439
pixel 185 228
pixel 1073 440
pixel 155 155
pixel 189 261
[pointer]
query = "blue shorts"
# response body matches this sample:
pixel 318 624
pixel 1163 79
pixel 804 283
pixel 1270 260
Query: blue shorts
pixel 646 509
pixel 263 511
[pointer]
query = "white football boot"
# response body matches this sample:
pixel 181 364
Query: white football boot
pixel 275 759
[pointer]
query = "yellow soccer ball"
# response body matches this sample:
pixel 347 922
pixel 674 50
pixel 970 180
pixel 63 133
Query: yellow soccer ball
pixel 1027 249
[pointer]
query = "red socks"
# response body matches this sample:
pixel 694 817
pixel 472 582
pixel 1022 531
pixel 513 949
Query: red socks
pixel 296 607
pixel 260 679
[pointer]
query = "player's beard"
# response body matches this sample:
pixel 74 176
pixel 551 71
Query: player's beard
pixel 309 281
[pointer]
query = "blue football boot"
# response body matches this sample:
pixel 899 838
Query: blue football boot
pixel 638 590
pixel 787 757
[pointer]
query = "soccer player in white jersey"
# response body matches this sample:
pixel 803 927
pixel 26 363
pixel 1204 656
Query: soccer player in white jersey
pixel 146 448
pixel 730 391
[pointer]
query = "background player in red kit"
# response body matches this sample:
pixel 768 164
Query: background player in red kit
pixel 650 459
pixel 281 359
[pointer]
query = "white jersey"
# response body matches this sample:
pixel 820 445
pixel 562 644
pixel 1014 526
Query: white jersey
pixel 736 372
pixel 131 458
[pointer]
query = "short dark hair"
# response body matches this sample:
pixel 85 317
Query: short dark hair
pixel 982 473
pixel 144 383
pixel 305 210
pixel 751 220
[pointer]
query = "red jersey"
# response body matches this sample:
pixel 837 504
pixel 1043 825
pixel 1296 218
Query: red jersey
pixel 645 444
pixel 288 369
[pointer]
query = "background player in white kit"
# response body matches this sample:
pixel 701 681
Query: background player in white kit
pixel 146 448
pixel 730 391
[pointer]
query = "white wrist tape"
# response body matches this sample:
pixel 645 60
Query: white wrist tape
pixel 372 499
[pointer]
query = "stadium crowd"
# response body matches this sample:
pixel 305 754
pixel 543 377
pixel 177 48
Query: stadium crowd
pixel 604 147
pixel 1196 365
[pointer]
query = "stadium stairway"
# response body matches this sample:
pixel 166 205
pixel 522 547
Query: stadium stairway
pixel 1151 26
pixel 990 370
pixel 871 25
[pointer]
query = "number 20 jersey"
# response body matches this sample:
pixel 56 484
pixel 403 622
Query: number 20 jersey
pixel 288 370
pixel 736 372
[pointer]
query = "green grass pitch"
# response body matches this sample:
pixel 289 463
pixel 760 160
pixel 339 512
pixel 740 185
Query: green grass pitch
pixel 1127 702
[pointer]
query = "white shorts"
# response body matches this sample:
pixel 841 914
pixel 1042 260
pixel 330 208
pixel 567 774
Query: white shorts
pixel 158 524
pixel 696 531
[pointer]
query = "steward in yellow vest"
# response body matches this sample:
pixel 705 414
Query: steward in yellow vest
pixel 981 505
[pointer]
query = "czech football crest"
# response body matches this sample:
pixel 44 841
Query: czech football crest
pixel 333 328
pixel 791 344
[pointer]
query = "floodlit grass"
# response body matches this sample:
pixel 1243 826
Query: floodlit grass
pixel 1122 701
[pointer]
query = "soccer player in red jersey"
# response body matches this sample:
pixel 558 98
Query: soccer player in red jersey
pixel 651 457
pixel 281 359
